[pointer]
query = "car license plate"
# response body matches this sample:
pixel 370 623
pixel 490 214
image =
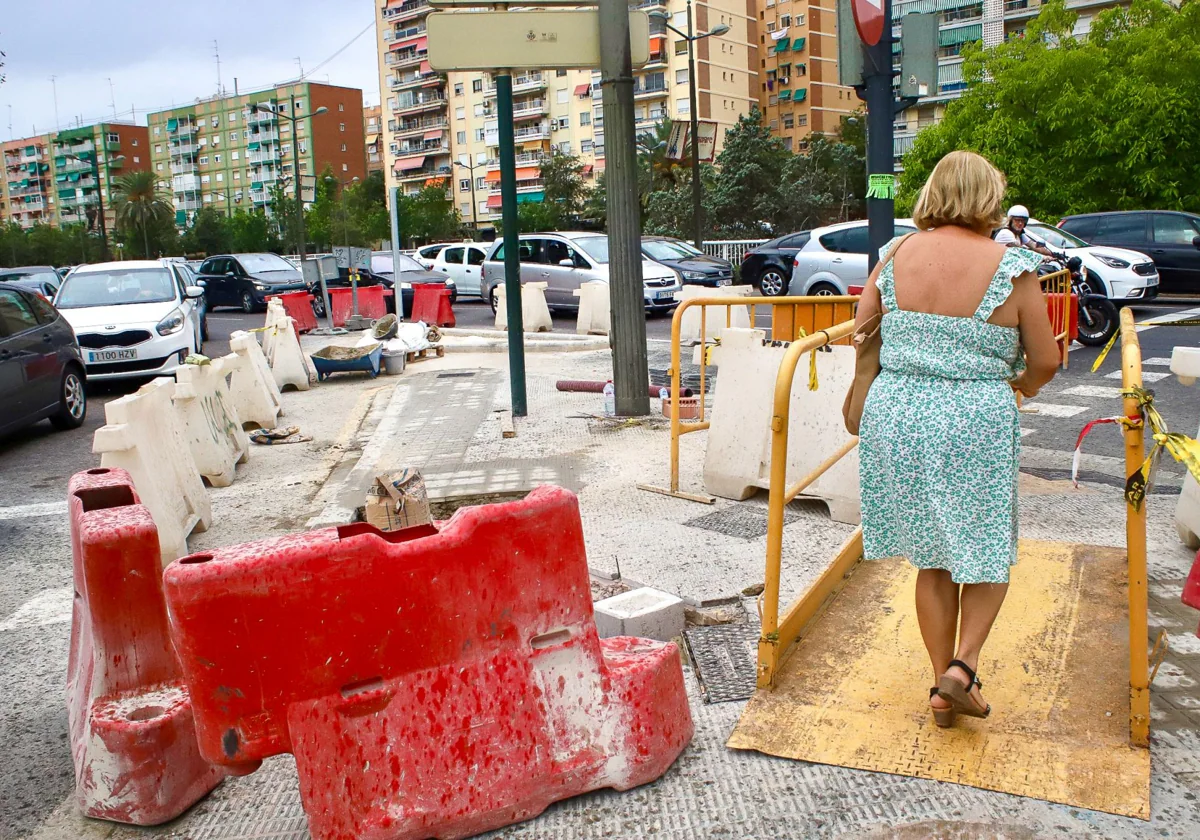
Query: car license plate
pixel 724 281
pixel 100 356
pixel 669 295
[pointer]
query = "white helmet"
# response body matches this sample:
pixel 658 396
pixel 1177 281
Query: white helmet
pixel 1018 211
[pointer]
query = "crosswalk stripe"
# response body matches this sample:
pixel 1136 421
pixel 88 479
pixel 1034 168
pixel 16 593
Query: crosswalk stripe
pixel 1147 375
pixel 1055 410
pixel 1100 391
pixel 1157 360
pixel 29 511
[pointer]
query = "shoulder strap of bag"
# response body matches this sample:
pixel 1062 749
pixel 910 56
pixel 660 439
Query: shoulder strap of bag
pixel 896 247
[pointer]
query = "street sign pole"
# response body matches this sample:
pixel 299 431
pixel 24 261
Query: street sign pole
pixel 512 253
pixel 394 212
pixel 631 379
pixel 877 92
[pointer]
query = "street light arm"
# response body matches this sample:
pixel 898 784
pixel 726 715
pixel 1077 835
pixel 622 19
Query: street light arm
pixel 682 35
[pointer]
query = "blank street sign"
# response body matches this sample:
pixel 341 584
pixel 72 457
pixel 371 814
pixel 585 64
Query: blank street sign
pixel 469 40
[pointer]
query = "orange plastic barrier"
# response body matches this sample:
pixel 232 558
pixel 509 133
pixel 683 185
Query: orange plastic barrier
pixel 438 681
pixel 371 303
pixel 298 306
pixel 431 304
pixel 133 738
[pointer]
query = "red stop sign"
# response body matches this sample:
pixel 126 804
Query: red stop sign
pixel 868 20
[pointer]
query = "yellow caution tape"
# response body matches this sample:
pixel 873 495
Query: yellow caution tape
pixel 1186 322
pixel 1182 448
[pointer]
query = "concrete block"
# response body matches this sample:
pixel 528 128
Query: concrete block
pixel 1185 363
pixel 714 321
pixel 535 314
pixel 210 421
pixel 595 311
pixel 289 364
pixel 646 613
pixel 252 387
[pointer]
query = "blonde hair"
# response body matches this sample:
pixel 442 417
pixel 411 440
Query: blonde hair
pixel 964 189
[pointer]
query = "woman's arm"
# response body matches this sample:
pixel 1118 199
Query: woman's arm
pixel 1042 354
pixel 869 303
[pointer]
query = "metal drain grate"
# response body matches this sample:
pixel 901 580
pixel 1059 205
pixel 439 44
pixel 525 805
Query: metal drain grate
pixel 748 522
pixel 726 660
pixel 456 374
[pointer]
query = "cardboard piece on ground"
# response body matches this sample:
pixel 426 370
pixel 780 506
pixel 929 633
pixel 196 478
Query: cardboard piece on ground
pixel 398 501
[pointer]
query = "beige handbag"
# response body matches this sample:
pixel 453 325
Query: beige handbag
pixel 867 342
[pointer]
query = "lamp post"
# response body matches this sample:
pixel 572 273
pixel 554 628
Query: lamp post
pixel 291 117
pixel 471 167
pixel 692 37
pixel 95 162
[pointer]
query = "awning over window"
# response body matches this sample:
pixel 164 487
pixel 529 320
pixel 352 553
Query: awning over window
pixel 433 135
pixel 426 68
pixel 493 177
pixel 408 163
pixel 950 37
pixel 587 170
pixel 524 173
pixel 800 95
pixel 494 201
pixel 530 198
pixel 584 90
pixel 798 45
pixel 254 146
pixel 782 44
pixel 421 44
pixel 372 139
pixel 172 125
pixel 785 95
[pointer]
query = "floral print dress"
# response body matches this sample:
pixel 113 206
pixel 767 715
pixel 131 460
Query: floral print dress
pixel 940 440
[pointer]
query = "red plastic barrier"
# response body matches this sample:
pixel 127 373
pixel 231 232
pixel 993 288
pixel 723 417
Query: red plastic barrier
pixel 1191 589
pixel 437 681
pixel 298 306
pixel 431 304
pixel 133 738
pixel 1054 309
pixel 371 303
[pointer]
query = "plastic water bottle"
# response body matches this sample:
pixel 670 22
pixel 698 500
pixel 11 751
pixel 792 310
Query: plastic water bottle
pixel 610 399
pixel 664 396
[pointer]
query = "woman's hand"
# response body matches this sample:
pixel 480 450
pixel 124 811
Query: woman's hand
pixel 1022 385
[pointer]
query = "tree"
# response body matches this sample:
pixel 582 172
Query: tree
pixel 369 209
pixel 285 219
pixel 564 192
pixel 141 204
pixel 750 179
pixel 209 233
pixel 429 215
pixel 251 232
pixel 534 216
pixel 1106 122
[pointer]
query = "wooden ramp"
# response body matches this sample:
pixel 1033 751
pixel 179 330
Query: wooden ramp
pixel 854 692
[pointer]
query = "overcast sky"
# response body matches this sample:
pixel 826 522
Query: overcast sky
pixel 159 53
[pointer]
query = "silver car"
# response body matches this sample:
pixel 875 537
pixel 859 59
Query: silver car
pixel 834 260
pixel 564 261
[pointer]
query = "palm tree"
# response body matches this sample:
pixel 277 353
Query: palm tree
pixel 655 170
pixel 139 201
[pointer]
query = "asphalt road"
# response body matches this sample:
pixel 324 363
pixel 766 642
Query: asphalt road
pixel 35 560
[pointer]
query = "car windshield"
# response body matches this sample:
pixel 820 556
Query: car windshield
pixel 254 263
pixel 115 287
pixel 1055 237
pixel 666 249
pixel 31 276
pixel 382 264
pixel 595 247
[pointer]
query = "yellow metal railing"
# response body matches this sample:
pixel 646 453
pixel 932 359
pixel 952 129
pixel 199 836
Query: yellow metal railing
pixel 1135 539
pixel 791 317
pixel 779 634
pixel 1056 288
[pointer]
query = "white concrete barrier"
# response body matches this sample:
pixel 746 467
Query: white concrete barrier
pixel 1185 363
pixel 535 314
pixel 289 364
pixel 595 315
pixel 210 421
pixel 738 457
pixel 144 435
pixel 714 324
pixel 252 387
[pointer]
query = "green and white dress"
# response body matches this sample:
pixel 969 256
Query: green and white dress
pixel 940 438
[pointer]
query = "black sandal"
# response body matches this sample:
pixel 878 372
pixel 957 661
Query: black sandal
pixel 944 718
pixel 953 691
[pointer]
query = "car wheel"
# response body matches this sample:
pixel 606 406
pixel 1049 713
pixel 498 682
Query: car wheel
pixel 824 290
pixel 72 401
pixel 204 328
pixel 247 302
pixel 318 305
pixel 773 282
pixel 493 299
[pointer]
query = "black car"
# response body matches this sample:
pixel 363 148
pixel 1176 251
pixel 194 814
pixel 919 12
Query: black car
pixel 695 268
pixel 41 369
pixel 411 272
pixel 40 279
pixel 247 280
pixel 1170 238
pixel 769 266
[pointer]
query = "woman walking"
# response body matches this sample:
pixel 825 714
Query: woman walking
pixel 964 326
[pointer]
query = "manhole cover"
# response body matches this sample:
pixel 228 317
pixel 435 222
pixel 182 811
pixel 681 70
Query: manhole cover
pixel 746 521
pixel 726 659
pixel 456 375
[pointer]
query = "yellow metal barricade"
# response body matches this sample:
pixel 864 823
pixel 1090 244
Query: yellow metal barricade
pixel 791 318
pixel 1056 288
pixel 1135 538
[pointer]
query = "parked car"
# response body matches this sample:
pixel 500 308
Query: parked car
pixel 41 369
pixel 1171 239
pixel 40 279
pixel 132 318
pixel 769 266
pixel 835 259
pixel 247 280
pixel 411 272
pixel 463 263
pixel 189 276
pixel 567 260
pixel 1121 275
pixel 694 267
pixel 427 255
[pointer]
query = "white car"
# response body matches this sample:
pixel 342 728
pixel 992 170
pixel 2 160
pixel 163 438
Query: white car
pixel 463 264
pixel 834 260
pixel 1123 276
pixel 133 318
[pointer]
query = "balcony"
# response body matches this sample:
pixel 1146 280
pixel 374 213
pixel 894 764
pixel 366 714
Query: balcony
pixel 523 159
pixel 399 33
pixel 405 11
pixel 406 58
pixel 521 84
pixel 188 204
pixel 185 183
pixel 425 173
pixel 429 147
pixel 183 129
pixel 262 117
pixel 530 108
pixel 650 4
pixel 261 157
pixel 901 143
pixel 183 168
pixel 422 102
pixel 24 191
pixel 264 175
pixel 260 196
pixel 75 166
pixel 541 132
pixel 417 126
pixel 184 149
pixel 534 185
pixel 266 135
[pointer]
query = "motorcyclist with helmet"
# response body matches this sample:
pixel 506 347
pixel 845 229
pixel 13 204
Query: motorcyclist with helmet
pixel 1013 233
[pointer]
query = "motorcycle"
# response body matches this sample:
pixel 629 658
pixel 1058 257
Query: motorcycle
pixel 1098 317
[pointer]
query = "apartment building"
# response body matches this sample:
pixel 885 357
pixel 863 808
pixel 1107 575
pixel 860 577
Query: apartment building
pixel 443 128
pixel 60 178
pixel 962 22
pixel 799 92
pixel 373 134
pixel 226 153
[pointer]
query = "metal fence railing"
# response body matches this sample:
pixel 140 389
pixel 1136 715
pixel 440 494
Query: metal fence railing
pixel 731 249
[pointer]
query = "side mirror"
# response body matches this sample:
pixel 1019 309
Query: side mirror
pixel 567 263
pixel 195 292
pixel 1196 241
